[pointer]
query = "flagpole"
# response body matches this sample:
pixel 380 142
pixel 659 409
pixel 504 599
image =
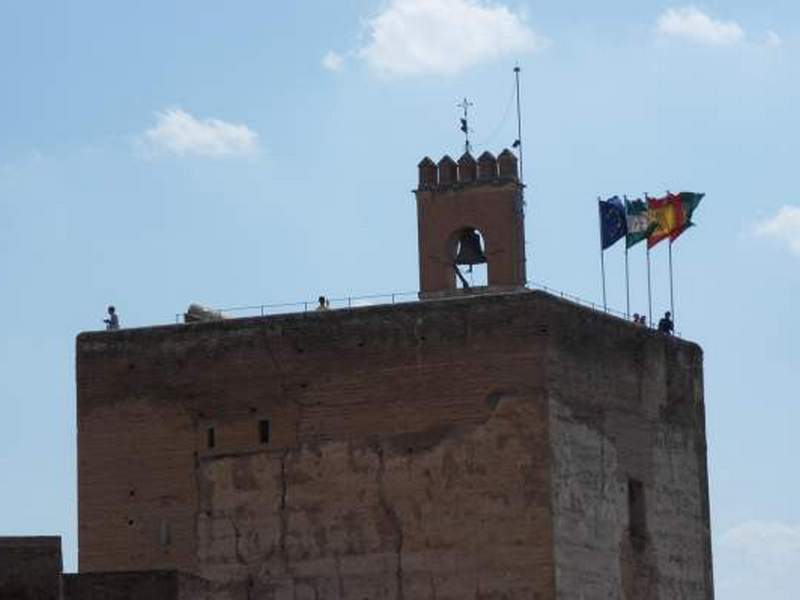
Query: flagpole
pixel 603 271
pixel 627 285
pixel 649 291
pixel 671 294
pixel 627 276
pixel 649 284
pixel 519 125
pixel 602 254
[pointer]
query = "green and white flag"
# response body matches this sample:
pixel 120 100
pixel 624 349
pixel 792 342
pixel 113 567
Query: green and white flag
pixel 639 224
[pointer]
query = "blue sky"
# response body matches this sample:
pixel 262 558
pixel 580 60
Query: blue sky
pixel 248 152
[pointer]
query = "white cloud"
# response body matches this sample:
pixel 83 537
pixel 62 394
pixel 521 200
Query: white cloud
pixel 179 133
pixel 333 61
pixel 771 540
pixel 692 24
pixel 773 40
pixel 784 227
pixel 424 37
pixel 758 559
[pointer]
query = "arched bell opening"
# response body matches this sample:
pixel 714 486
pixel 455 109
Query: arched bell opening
pixel 467 249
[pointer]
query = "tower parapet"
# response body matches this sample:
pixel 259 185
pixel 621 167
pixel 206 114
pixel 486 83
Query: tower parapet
pixel 487 166
pixel 485 169
pixel 470 197
pixel 467 168
pixel 428 173
pixel 507 165
pixel 448 171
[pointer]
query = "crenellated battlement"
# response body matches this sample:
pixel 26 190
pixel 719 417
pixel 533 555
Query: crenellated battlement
pixel 486 169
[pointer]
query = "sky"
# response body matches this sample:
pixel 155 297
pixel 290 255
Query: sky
pixel 156 154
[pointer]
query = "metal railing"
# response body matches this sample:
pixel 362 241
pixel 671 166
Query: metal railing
pixel 263 310
pixel 587 303
pixel 345 302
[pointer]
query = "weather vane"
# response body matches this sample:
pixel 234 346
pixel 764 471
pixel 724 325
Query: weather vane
pixel 465 104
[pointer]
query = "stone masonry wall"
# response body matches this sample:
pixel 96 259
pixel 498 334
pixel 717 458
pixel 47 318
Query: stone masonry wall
pixel 503 446
pixel 626 406
pixel 408 453
pixel 131 585
pixel 30 568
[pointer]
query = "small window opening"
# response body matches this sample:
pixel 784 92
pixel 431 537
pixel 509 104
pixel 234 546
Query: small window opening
pixel 637 509
pixel 211 438
pixel 164 534
pixel 263 431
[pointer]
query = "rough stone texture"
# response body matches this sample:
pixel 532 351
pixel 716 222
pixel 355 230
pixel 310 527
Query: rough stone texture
pixel 146 585
pixel 442 517
pixel 475 447
pixel 627 407
pixel 30 568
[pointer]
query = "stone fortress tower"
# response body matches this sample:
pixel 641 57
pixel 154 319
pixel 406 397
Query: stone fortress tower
pixel 483 442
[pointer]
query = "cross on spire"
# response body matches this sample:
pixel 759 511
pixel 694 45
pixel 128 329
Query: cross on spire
pixel 465 105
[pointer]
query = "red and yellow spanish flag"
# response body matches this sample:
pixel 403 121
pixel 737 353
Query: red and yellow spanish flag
pixel 668 216
pixel 671 215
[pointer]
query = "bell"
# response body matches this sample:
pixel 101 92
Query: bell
pixel 469 249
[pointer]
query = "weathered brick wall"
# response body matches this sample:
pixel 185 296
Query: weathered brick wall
pixel 626 404
pixel 150 585
pixel 408 453
pixel 30 568
pixel 447 516
pixel 478 447
pixel 135 585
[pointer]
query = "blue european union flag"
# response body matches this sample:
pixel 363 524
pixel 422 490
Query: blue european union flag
pixel 613 225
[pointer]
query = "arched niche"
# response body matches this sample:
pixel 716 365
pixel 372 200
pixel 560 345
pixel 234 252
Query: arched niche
pixel 466 251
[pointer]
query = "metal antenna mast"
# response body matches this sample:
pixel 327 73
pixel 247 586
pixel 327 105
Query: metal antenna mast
pixel 465 104
pixel 518 141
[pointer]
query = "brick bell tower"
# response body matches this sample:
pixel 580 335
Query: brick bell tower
pixel 460 204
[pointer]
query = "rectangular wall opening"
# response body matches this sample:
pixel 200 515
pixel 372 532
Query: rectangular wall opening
pixel 637 509
pixel 263 431
pixel 164 534
pixel 211 437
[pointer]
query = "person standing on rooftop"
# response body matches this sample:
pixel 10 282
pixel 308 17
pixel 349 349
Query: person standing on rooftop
pixel 112 322
pixel 665 325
